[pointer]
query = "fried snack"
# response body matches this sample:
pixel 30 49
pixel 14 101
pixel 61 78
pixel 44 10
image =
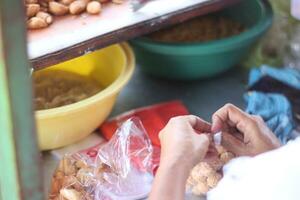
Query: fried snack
pixel 58 88
pixel 200 29
pixel 74 179
pixel 40 13
pixel 226 157
pixel 205 176
pixel 93 7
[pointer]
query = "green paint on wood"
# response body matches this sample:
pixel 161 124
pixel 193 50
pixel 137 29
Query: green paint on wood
pixel 8 168
pixel 20 168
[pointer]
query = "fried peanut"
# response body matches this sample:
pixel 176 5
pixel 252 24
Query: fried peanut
pixel 45 10
pixel 31 1
pixel 36 23
pixel 117 1
pixel 78 7
pixel 45 16
pixel 93 7
pixel 57 8
pixel 66 2
pixel 32 9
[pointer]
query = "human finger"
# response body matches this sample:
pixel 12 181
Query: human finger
pixel 233 144
pixel 233 116
pixel 258 118
pixel 201 143
pixel 198 124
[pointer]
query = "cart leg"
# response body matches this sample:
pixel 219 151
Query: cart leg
pixel 20 169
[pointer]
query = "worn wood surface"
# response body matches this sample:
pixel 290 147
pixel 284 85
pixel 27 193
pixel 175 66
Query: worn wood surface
pixel 129 32
pixel 20 174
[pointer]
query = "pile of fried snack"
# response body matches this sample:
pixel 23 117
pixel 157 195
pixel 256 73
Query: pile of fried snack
pixel 40 12
pixel 206 175
pixel 75 179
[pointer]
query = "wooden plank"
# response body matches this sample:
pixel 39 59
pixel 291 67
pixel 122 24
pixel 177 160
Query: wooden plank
pixel 119 34
pixel 20 171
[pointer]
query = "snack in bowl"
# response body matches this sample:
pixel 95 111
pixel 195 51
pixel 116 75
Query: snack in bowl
pixel 200 29
pixel 188 60
pixel 111 67
pixel 57 88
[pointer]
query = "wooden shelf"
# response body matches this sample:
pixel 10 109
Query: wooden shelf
pixel 73 36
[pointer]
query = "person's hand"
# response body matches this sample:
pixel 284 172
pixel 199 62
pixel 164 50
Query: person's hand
pixel 243 134
pixel 183 142
pixel 183 145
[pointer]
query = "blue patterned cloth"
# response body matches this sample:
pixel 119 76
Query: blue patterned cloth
pixel 275 109
pixel 286 75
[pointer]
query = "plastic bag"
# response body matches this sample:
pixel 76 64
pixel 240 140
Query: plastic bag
pixel 121 169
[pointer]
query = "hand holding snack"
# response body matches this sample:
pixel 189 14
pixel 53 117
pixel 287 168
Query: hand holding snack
pixel 183 145
pixel 182 141
pixel 243 134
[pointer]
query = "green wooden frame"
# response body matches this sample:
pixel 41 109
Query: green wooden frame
pixel 20 169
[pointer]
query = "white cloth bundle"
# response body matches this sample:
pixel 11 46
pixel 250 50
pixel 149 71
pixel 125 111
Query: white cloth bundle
pixel 274 175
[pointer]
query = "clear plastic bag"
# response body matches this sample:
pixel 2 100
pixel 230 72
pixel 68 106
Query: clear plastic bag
pixel 122 169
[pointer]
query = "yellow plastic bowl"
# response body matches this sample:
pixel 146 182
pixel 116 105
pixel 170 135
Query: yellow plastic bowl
pixel 112 67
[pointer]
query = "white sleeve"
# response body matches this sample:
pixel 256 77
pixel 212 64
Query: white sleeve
pixel 274 175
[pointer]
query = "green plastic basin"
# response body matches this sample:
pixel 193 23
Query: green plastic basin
pixel 188 61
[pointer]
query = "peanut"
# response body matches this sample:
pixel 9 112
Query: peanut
pixel 78 7
pixel 66 2
pixel 36 23
pixel 57 8
pixel 104 1
pixel 45 16
pixel 117 1
pixel 44 9
pixel 32 9
pixel 44 3
pixel 93 7
pixel 31 1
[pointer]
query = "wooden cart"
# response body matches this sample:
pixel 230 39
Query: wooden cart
pixel 20 165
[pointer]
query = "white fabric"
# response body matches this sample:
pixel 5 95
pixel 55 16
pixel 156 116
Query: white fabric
pixel 273 175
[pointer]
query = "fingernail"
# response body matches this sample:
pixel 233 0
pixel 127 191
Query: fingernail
pixel 216 124
pixel 218 138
